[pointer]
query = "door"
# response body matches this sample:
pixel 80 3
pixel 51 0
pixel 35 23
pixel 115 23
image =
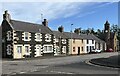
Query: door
pixel 19 50
pixel 78 50
pixel 90 48
pixel 38 50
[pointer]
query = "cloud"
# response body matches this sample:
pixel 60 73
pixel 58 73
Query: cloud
pixel 59 1
pixel 85 14
pixel 94 9
pixel 32 11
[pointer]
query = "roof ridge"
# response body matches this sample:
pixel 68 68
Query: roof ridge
pixel 26 22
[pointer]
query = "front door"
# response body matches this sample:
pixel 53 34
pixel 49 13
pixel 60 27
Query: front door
pixel 19 50
pixel 78 50
pixel 38 50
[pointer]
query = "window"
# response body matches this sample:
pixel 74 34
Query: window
pixel 82 40
pixel 64 49
pixel 47 37
pixel 73 40
pixel 19 49
pixel 57 40
pixel 27 49
pixel 9 50
pixel 73 49
pixel 92 41
pixel 87 48
pixel 38 37
pixel 47 48
pixel 9 35
pixel 87 41
pixel 64 41
pixel 26 36
pixel 82 48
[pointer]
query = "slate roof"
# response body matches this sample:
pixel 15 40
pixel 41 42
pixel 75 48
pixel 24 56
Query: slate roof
pixel 87 36
pixel 30 27
pixel 74 35
pixel 102 36
pixel 91 37
pixel 59 34
pixel 97 39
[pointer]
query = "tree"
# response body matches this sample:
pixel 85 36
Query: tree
pixel 99 31
pixel 115 28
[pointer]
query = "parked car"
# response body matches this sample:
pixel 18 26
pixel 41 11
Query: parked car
pixel 95 51
pixel 109 50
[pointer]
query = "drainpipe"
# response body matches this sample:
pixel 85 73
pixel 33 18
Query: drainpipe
pixel 71 38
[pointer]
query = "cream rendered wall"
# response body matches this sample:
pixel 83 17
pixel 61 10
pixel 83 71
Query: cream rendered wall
pixel 78 43
pixel 70 46
pixel 17 55
pixel 83 45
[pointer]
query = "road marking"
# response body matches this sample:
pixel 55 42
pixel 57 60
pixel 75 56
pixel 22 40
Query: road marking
pixel 61 72
pixel 89 63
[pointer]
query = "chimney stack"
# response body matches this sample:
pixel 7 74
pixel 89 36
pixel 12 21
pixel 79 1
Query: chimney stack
pixel 6 16
pixel 61 29
pixel 45 22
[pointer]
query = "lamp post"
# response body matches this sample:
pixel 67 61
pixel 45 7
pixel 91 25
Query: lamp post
pixel 71 37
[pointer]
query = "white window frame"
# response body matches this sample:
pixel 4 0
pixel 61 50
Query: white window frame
pixel 9 36
pixel 57 40
pixel 36 36
pixel 9 50
pixel 25 36
pixel 64 49
pixel 18 51
pixel 47 37
pixel 28 49
pixel 63 41
pixel 46 50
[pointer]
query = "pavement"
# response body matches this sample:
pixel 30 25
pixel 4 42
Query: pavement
pixel 112 61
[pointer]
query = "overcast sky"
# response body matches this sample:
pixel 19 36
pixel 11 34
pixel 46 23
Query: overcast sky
pixel 80 14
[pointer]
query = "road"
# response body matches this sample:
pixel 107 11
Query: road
pixel 59 65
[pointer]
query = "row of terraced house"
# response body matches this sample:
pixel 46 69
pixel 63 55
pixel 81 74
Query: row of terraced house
pixel 25 40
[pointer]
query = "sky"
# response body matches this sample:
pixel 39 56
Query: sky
pixel 81 14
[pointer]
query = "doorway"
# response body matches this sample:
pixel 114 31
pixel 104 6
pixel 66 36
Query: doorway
pixel 78 51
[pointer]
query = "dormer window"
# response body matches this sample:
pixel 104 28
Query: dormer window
pixel 8 35
pixel 47 37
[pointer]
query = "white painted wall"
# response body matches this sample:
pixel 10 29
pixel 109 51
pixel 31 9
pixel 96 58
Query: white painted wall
pixel 89 44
